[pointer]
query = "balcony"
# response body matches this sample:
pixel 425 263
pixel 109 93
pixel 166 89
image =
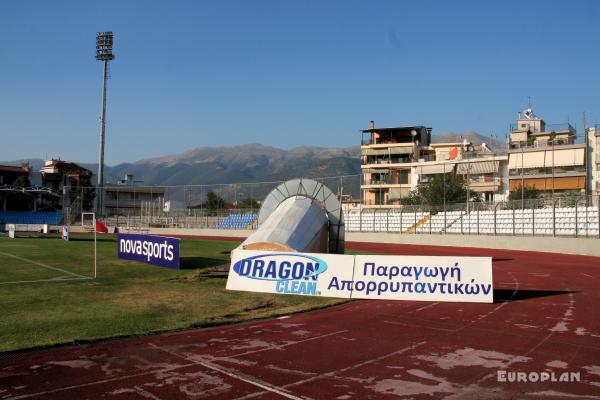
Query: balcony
pixel 516 146
pixel 384 184
pixel 564 127
pixel 380 181
pixel 485 184
pixel 387 161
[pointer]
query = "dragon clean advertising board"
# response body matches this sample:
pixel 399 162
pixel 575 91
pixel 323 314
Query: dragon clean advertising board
pixel 390 277
pixel 288 273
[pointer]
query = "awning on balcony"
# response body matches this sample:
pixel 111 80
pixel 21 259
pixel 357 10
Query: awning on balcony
pixel 545 159
pixel 477 168
pixel 566 157
pixel 434 169
pixel 398 193
pixel 386 151
pixel 376 171
pixel 374 152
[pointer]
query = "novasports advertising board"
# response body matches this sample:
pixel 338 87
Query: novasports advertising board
pixel 459 279
pixel 155 250
pixel 288 273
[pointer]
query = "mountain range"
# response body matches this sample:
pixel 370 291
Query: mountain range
pixel 247 163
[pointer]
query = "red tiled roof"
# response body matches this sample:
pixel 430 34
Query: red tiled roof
pixel 10 168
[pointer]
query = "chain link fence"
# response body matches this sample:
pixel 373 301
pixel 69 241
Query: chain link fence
pixel 187 206
pixel 236 206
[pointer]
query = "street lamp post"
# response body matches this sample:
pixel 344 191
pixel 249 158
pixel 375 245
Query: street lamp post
pixel 553 139
pixel 104 44
pixel 522 181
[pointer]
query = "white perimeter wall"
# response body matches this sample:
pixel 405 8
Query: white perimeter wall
pixel 583 246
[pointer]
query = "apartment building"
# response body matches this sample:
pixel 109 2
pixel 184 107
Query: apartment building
pixel 58 174
pixel 395 160
pixel 388 160
pixel 545 157
pixel 13 197
pixel 127 197
pixel 593 142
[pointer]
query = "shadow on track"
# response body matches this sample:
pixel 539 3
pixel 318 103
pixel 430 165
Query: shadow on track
pixel 506 295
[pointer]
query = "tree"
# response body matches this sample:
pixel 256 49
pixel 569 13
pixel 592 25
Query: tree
pixel 249 203
pixel 520 192
pixel 214 201
pixel 85 191
pixel 22 181
pixel 436 192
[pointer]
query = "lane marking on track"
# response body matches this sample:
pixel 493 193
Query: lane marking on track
pixel 234 374
pixel 118 378
pixel 333 373
pixel 413 325
pixel 485 376
pixel 42 265
pixel 289 344
pixel 424 307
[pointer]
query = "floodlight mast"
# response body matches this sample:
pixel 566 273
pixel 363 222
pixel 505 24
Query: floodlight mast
pixel 104 44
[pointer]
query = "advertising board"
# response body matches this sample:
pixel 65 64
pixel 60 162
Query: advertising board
pixel 155 250
pixel 389 277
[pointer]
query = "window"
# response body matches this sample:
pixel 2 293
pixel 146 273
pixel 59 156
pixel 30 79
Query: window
pixel 380 197
pixel 404 176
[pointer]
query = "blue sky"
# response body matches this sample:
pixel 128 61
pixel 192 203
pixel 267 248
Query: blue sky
pixel 285 73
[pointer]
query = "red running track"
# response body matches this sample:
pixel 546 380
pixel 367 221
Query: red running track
pixel 544 320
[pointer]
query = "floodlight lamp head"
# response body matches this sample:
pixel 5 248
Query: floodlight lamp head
pixel 104 44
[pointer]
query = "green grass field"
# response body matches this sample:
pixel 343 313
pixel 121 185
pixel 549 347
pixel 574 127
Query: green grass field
pixel 127 298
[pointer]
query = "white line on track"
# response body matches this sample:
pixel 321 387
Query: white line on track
pixel 290 343
pixel 233 374
pixel 42 265
pixel 45 394
pixel 424 307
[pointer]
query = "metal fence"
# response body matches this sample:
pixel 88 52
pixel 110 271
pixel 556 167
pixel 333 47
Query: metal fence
pixel 191 206
pixel 184 206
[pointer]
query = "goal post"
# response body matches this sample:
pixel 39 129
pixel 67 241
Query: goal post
pixel 88 221
pixel 65 253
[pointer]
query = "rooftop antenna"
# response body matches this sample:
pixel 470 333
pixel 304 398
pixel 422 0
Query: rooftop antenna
pixel 104 45
pixel 529 112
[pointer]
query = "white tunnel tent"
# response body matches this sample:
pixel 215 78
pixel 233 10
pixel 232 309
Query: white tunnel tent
pixel 299 215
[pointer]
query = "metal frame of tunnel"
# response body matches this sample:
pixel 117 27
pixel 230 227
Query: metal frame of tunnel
pixel 316 191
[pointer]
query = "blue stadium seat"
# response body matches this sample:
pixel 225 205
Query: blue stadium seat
pixel 31 217
pixel 236 221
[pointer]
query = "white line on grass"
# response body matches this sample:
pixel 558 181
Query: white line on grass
pixel 43 265
pixel 49 280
